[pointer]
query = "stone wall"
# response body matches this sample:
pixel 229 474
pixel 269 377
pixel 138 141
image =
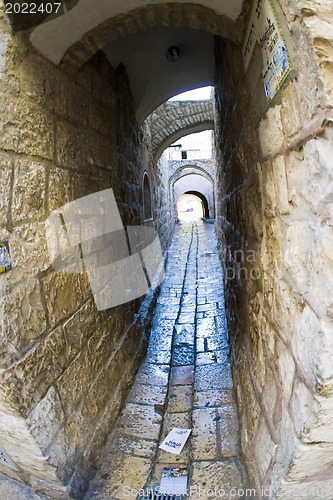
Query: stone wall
pixel 65 366
pixel 274 222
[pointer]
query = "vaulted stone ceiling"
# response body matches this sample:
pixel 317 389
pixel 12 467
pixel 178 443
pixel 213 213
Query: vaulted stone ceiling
pixel 137 34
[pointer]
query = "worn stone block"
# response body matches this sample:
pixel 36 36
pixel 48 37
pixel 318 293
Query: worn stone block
pixel 46 418
pixel 153 375
pixel 180 399
pixel 265 448
pixel 290 111
pixel 140 421
pixel 204 434
pixel 22 318
pixel 59 189
pixel 271 132
pixel 125 474
pixel 224 475
pixel 100 151
pixel 30 379
pixel 62 294
pixel 70 146
pixel 75 382
pixel 79 328
pixel 28 198
pixel 286 368
pixel 302 407
pixel 40 81
pixel 99 394
pixel 78 104
pixel 25 127
pixel 28 252
pixel 213 398
pixel 5 182
pixel 147 394
pixel 297 256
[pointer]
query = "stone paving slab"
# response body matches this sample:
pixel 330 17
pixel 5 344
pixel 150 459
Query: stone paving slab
pixel 184 382
pixel 182 375
pixel 213 398
pixel 224 475
pixel 131 445
pixel 146 394
pixel 125 474
pixel 180 399
pixel 213 376
pixel 140 421
pixel 152 374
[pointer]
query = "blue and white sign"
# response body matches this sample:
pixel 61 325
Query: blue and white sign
pixel 264 28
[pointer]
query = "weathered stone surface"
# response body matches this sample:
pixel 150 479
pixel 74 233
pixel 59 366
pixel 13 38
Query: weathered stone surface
pixel 28 249
pixel 271 132
pixel 30 129
pixel 265 448
pixel 213 377
pixel 63 295
pixel 31 377
pixel 70 146
pixel 303 406
pixel 180 399
pixel 46 418
pixel 286 367
pixel 28 198
pixel 153 375
pixel 40 81
pixel 204 440
pixel 147 394
pixel 213 397
pixel 24 324
pixel 223 475
pixel 140 421
pixel 134 469
pixel 5 181
pixel 10 489
pixel 290 110
pixel 60 188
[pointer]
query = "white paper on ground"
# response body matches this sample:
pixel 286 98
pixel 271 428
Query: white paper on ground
pixel 173 482
pixel 175 440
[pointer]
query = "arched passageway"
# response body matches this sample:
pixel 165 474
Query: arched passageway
pixel 203 200
pixel 191 206
pixel 76 96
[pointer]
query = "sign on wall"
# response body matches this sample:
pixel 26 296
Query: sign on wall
pixel 5 260
pixel 264 28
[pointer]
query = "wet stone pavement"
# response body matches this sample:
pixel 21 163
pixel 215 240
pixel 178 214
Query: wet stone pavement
pixel 185 381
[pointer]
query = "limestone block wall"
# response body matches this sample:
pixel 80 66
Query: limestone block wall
pixel 274 222
pixel 65 366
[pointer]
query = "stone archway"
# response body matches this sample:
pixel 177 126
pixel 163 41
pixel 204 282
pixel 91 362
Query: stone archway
pixel 173 120
pixel 204 202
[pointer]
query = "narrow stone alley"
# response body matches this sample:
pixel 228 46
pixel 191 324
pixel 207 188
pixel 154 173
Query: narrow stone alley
pixel 185 381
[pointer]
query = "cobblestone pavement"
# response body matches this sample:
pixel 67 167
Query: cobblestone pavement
pixel 185 381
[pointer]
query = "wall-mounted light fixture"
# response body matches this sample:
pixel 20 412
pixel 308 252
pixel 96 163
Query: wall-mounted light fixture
pixel 172 53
